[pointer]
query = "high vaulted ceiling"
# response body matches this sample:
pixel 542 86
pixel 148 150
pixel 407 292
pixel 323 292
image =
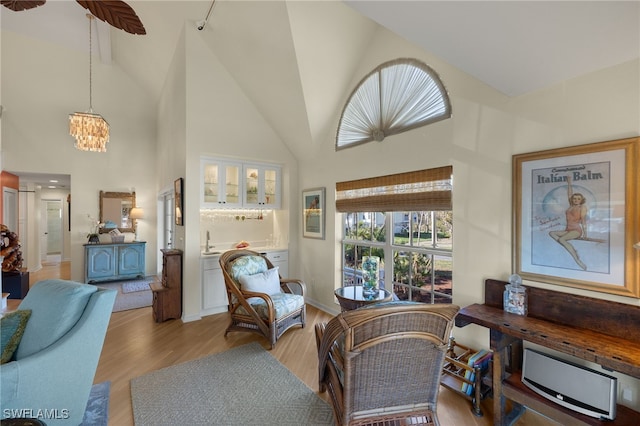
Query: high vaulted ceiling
pixel 296 60
pixel 515 47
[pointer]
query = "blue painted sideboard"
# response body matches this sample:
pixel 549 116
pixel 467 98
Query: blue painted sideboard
pixel 114 261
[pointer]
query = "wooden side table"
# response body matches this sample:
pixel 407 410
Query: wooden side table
pixel 352 297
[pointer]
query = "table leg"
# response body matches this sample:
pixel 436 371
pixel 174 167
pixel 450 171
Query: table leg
pixel 500 344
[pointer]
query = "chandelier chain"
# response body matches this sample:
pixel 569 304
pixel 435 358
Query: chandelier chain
pixel 90 65
pixel 90 130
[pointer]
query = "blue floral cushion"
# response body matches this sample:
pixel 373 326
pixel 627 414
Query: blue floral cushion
pixel 283 304
pixel 248 265
pixel 12 327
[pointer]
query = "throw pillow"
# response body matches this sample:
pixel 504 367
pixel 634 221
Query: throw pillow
pixel 265 282
pixel 12 327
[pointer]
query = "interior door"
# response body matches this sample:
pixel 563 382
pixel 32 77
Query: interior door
pixel 10 208
pixel 52 228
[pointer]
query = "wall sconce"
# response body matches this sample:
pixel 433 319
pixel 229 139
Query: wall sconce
pixel 135 214
pixel 637 245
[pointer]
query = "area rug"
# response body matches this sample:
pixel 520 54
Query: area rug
pixel 133 286
pixel 242 386
pixel 97 411
pixel 131 300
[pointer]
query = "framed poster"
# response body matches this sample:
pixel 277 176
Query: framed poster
pixel 179 201
pixel 313 213
pixel 575 215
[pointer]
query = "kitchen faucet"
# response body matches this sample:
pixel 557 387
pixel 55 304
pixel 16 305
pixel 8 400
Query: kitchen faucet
pixel 207 244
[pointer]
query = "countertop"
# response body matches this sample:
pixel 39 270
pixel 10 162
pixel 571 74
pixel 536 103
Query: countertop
pixel 215 252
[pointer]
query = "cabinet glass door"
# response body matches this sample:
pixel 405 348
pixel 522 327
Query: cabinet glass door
pixel 270 186
pixel 251 185
pixel 232 183
pixel 211 182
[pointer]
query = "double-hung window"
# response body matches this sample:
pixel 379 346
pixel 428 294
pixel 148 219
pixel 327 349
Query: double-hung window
pixel 406 220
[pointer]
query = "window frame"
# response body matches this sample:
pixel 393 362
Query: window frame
pixel 350 276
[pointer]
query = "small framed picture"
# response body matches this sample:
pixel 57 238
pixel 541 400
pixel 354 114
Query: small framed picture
pixel 179 202
pixel 313 213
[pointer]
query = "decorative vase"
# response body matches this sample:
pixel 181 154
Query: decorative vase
pixel 515 296
pixel 94 239
pixel 370 277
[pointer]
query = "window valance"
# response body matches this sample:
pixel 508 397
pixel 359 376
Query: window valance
pixel 410 191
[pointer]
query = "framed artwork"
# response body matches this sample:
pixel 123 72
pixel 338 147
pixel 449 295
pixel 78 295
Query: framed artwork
pixel 179 201
pixel 313 213
pixel 576 219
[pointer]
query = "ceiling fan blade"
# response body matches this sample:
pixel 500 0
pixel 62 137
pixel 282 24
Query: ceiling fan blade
pixel 116 13
pixel 18 5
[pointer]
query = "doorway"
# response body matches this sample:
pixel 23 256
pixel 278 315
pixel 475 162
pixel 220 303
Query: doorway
pixel 51 236
pixel 10 208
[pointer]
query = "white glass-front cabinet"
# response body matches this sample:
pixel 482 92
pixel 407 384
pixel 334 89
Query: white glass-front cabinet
pixel 261 186
pixel 221 183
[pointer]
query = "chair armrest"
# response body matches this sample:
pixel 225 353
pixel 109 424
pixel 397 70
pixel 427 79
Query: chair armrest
pixel 294 286
pixel 327 336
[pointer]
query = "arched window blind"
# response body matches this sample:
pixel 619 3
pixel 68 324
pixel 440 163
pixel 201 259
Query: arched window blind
pixel 419 190
pixel 396 96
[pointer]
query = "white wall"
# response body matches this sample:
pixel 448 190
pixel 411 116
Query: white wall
pixel 486 129
pixel 43 83
pixel 204 112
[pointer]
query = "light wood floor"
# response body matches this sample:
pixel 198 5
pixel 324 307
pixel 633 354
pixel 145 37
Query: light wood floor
pixel 136 345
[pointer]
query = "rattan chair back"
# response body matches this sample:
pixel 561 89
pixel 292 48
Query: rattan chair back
pixel 382 364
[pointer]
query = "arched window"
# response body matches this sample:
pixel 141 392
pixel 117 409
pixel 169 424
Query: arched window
pixel 396 96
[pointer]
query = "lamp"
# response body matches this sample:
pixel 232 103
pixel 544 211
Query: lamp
pixel 135 214
pixel 90 130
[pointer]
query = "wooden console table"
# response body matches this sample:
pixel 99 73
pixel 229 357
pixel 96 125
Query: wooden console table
pixel 606 333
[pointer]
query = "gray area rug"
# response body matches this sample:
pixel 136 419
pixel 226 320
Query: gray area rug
pixel 97 411
pixel 130 300
pixel 242 386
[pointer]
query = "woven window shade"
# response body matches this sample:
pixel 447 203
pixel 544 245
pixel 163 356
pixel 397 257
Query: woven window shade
pixel 419 190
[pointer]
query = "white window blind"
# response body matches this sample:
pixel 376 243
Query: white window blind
pixel 396 96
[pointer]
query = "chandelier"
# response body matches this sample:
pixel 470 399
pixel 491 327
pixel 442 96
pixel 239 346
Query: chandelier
pixel 90 130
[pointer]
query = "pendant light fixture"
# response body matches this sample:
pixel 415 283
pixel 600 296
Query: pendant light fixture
pixel 90 130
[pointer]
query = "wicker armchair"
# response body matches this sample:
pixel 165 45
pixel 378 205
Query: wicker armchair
pixel 259 312
pixel 382 363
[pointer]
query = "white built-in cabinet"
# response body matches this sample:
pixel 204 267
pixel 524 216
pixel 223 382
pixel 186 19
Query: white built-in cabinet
pixel 236 184
pixel 281 260
pixel 214 292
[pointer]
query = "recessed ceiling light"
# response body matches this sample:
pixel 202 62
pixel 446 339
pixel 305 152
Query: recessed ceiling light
pixel 53 181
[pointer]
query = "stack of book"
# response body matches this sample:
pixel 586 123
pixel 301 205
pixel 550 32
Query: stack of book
pixel 480 359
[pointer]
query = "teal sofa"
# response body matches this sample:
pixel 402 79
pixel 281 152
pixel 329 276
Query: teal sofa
pixel 52 370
